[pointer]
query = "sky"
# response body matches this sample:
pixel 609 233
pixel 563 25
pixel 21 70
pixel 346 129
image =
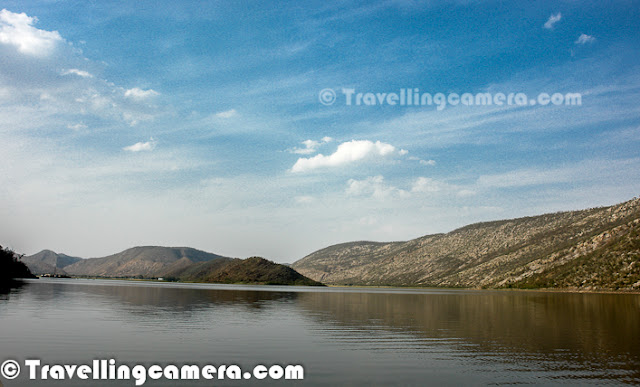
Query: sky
pixel 236 128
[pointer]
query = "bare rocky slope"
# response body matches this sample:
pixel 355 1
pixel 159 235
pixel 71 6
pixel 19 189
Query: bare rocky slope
pixel 49 262
pixel 146 261
pixel 597 248
pixel 143 261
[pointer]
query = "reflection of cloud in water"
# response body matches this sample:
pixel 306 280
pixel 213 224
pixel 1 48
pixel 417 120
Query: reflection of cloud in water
pixel 155 304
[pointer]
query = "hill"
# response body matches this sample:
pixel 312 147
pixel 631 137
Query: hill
pixel 254 270
pixel 49 262
pixel 173 263
pixel 11 268
pixel 597 248
pixel 144 261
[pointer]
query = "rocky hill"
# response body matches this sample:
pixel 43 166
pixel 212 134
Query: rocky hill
pixel 49 262
pixel 597 248
pixel 144 261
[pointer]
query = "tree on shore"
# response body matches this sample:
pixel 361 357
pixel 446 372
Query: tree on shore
pixel 11 267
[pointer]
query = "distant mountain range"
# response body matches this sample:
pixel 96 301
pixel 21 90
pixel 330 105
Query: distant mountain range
pixel 49 262
pixel 597 248
pixel 171 263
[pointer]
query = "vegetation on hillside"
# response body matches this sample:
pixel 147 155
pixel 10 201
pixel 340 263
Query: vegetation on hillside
pixel 11 267
pixel 254 270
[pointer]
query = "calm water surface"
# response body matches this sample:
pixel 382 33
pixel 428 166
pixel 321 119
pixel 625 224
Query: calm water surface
pixel 342 336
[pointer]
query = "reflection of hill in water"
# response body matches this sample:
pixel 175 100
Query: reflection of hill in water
pixel 547 335
pixel 160 300
pixel 7 288
pixel 586 331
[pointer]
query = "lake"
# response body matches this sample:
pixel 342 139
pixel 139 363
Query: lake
pixel 342 336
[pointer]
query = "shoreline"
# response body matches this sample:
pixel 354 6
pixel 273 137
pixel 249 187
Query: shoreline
pixel 364 287
pixel 549 290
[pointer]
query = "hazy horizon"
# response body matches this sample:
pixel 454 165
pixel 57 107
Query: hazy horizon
pixel 242 257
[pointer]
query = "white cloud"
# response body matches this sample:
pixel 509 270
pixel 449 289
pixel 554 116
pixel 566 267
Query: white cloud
pixel 423 162
pixel 583 171
pixel 16 29
pixel 305 199
pixel 373 186
pixel 141 146
pixel 553 19
pixel 465 193
pixel 426 185
pixel 595 173
pixel 532 177
pixel 347 152
pixel 58 91
pixel 441 189
pixel 227 114
pixel 584 39
pixel 310 146
pixel 79 126
pixel 80 73
pixel 139 94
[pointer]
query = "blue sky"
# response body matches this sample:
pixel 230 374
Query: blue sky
pixel 199 124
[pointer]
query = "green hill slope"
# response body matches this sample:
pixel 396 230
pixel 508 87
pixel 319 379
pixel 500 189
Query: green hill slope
pixel 254 270
pixel 11 268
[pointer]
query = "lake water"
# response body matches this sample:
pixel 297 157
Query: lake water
pixel 342 336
